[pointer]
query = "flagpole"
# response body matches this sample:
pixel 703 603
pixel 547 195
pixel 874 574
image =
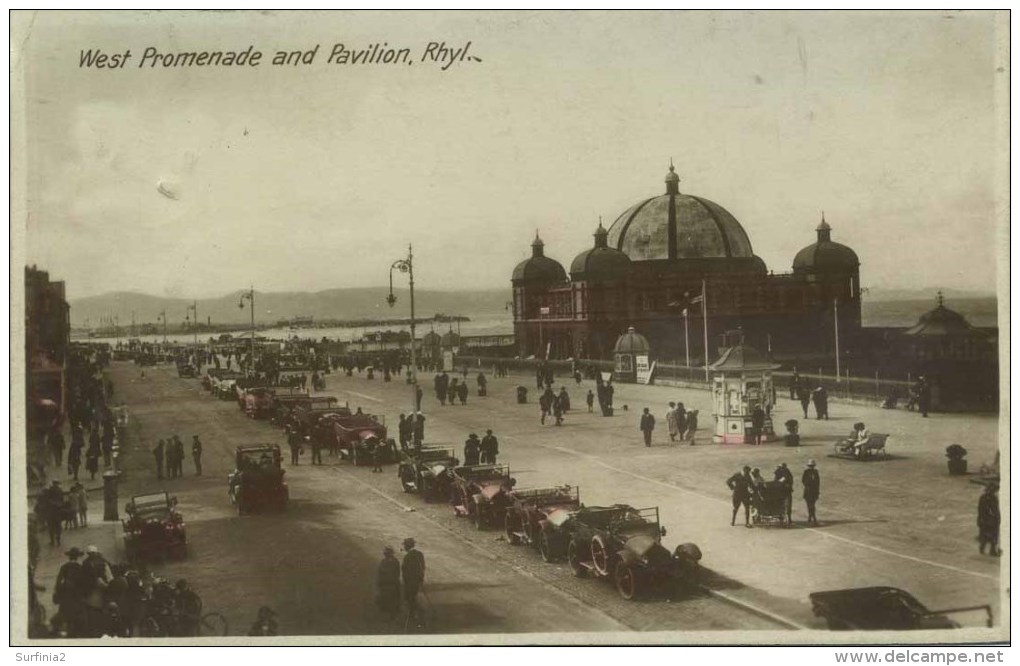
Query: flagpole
pixel 687 340
pixel 704 319
pixel 835 326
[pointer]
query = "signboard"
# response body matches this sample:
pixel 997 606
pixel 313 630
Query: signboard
pixel 643 369
pixel 543 311
pixel 448 361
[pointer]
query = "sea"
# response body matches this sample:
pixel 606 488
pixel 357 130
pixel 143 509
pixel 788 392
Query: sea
pixel 980 312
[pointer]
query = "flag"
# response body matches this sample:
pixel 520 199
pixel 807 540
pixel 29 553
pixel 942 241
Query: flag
pixel 697 299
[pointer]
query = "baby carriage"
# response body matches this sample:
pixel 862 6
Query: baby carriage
pixel 768 504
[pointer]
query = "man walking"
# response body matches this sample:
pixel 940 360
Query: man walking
pixel 196 454
pixel 56 441
pixel 590 399
pixel 740 485
pixel 294 442
pixel 419 430
pixel 794 385
pixel 490 448
pixel 785 476
pixel 52 504
pixel 388 584
pixel 812 490
pixel 413 573
pixel 472 448
pixel 647 426
pixel 923 396
pixel 804 395
pixel 671 425
pixel 821 399
pixel 988 520
pixel 757 425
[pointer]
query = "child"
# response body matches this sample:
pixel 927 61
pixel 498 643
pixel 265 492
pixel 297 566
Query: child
pixel 591 401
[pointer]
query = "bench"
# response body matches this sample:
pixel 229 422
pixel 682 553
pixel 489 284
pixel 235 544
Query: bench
pixel 873 448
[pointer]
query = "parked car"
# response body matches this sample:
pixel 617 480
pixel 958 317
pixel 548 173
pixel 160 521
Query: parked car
pixel 890 608
pixel 154 529
pixel 530 511
pixel 428 471
pixel 623 544
pixel 356 437
pixel 257 480
pixel 480 492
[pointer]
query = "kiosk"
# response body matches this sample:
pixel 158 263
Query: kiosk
pixel 741 381
pixel 631 354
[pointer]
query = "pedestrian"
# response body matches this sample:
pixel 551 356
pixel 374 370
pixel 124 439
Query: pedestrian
pixel 419 429
pixel 989 520
pixel 95 441
pixel 107 443
pixel 316 451
pixel 403 436
pixel 757 425
pixel 56 442
pixel 196 454
pixel 482 385
pixel 81 502
pixel 52 504
pixel 490 448
pixel 179 456
pixel 590 399
pixel 785 476
pixel 388 584
pixel 804 395
pixel 691 426
pixel 92 462
pixel 558 403
pixel 158 453
pixel 794 385
pixel 821 400
pixel 671 425
pixel 451 391
pixel 564 399
pixel 740 487
pixel 923 396
pixel 539 375
pixel 812 483
pixel 647 426
pixel 545 403
pixel 472 450
pixel 577 377
pixel 73 461
pixel 413 571
pixel 377 456
pixel 462 392
pixel 68 594
pixel 418 395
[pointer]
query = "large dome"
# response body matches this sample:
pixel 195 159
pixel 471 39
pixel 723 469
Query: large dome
pixel 825 255
pixel 539 268
pixel 695 228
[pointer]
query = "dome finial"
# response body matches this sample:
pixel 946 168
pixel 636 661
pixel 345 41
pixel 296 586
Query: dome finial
pixel 601 235
pixel 537 246
pixel 672 180
pixel 823 229
pixel 940 299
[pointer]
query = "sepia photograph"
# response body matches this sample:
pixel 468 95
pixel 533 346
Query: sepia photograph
pixel 396 328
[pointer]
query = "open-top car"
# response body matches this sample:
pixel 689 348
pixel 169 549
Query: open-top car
pixel 529 512
pixel 480 492
pixel 890 608
pixel 357 436
pixel 154 530
pixel 257 481
pixel 302 414
pixel 623 544
pixel 428 471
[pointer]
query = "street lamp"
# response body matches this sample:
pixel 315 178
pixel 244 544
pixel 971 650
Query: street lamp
pixel 251 300
pixel 162 315
pixel 193 308
pixel 407 266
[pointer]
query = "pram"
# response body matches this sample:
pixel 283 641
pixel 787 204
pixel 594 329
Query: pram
pixel 768 504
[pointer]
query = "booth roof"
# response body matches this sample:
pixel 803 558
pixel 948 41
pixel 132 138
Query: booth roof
pixel 742 358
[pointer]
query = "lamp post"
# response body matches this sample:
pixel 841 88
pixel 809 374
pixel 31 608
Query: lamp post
pixel 407 266
pixel 251 300
pixel 162 315
pixel 193 309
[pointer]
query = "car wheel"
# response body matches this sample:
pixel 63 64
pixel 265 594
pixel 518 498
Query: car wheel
pixel 576 567
pixel 626 581
pixel 510 528
pixel 600 555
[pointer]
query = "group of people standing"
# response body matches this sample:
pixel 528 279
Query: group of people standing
pixel 482 452
pixel 169 456
pixel 450 390
pixel 555 404
pixel 401 580
pixel 748 487
pixel 411 430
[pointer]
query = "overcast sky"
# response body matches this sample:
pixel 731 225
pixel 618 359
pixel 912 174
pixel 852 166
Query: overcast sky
pixel 195 182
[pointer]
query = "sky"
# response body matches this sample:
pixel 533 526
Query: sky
pixel 194 182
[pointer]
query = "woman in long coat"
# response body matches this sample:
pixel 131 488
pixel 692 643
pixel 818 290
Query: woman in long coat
pixel 388 583
pixel 671 422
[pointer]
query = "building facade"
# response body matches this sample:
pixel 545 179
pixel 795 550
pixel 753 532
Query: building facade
pixel 47 343
pixel 665 261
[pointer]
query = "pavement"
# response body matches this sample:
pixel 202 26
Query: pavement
pixel 901 522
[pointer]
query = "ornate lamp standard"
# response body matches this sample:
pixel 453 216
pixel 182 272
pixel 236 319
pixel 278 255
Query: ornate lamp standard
pixel 193 309
pixel 407 266
pixel 162 316
pixel 251 299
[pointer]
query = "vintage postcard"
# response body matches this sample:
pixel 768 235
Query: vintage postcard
pixel 510 327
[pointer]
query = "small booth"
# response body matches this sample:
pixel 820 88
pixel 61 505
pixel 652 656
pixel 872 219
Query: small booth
pixel 741 381
pixel 631 356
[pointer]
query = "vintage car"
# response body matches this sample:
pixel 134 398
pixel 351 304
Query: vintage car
pixel 623 544
pixel 186 370
pixel 305 420
pixel 154 530
pixel 428 471
pixel 530 511
pixel 257 480
pixel 287 410
pixel 356 437
pixel 480 492
pixel 890 608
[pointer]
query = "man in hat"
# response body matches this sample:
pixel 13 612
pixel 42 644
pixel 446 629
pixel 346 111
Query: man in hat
pixel 157 453
pixel 647 426
pixel 740 485
pixel 388 584
pixel 988 520
pixel 812 490
pixel 785 476
pixel 472 449
pixel 419 429
pixel 68 593
pixel 413 572
pixel 490 448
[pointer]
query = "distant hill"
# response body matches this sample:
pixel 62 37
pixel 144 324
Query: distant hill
pixel 346 304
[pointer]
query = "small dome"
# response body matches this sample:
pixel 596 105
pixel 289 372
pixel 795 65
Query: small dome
pixel 631 342
pixel 450 339
pixel 600 262
pixel 940 321
pixel 824 254
pixel 431 339
pixel 539 268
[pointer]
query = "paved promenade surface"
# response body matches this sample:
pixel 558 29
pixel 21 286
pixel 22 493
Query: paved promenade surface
pixel 901 522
